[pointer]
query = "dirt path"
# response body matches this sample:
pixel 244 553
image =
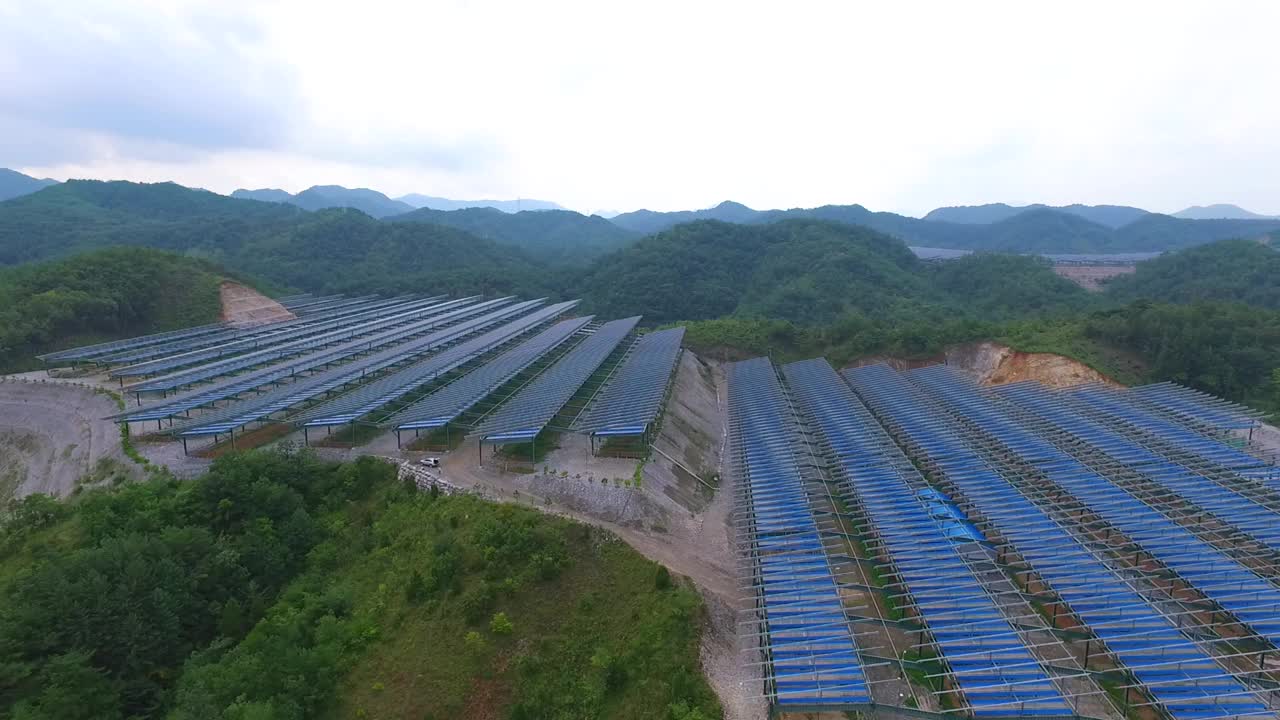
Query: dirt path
pixel 52 435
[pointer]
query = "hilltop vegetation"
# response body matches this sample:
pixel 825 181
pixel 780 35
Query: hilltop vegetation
pixel 1112 216
pixel 811 272
pixel 1071 229
pixel 324 251
pixel 321 197
pixel 101 295
pixel 558 237
pixel 279 586
pixel 1233 270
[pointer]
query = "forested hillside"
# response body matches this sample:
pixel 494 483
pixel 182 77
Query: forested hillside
pixel 811 272
pixel 559 237
pixel 1072 229
pixel 1112 216
pixel 328 250
pixel 83 215
pixel 14 184
pixel 348 251
pixel 1233 270
pixel 259 589
pixel 100 295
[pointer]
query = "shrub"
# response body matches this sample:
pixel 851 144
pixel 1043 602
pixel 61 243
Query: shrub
pixel 501 624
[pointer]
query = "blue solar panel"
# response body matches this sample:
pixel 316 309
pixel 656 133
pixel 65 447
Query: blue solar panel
pixel 1148 642
pixel 288 396
pixel 813 660
pixel 278 333
pixel 1193 406
pixel 1212 572
pixel 447 404
pixel 406 325
pixel 235 337
pixel 634 394
pixel 1224 503
pixel 375 395
pixel 394 341
pixel 525 415
pixel 925 537
pixel 1123 407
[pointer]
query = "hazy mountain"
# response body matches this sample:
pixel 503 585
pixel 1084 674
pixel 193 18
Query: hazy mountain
pixel 558 236
pixel 319 197
pixel 649 221
pixel 14 184
pixel 1039 229
pixel 370 202
pixel 1220 211
pixel 508 206
pixel 264 195
pixel 82 215
pixel 1112 216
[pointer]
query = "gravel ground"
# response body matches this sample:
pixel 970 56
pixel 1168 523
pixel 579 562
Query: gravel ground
pixel 52 435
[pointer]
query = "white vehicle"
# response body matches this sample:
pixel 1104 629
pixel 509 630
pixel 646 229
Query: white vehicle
pixel 431 462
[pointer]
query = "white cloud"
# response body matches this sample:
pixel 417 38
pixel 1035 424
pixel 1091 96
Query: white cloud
pixel 898 106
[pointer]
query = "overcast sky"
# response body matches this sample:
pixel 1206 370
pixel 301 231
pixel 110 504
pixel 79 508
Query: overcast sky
pixel 900 106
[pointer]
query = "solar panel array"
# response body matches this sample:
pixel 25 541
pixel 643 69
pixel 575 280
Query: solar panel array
pixel 1089 552
pixel 379 393
pixel 1146 639
pixel 526 414
pixel 810 653
pixel 234 337
pixel 405 325
pixel 936 555
pixel 157 361
pixel 447 404
pixel 263 406
pixel 394 340
pixel 634 394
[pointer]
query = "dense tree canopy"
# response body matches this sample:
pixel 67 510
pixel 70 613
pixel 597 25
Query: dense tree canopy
pixel 105 294
pixel 1232 270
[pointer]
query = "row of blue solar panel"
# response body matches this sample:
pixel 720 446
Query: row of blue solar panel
pixel 526 414
pixel 377 394
pixel 238 336
pixel 1168 663
pixel 445 405
pixel 347 352
pixel 633 397
pixel 931 549
pixel 806 636
pixel 158 361
pixel 396 327
pixel 322 383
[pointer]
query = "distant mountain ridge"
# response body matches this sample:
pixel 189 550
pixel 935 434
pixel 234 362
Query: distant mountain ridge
pixel 1030 229
pixel 1112 216
pixel 14 184
pixel 508 206
pixel 320 197
pixel 1220 211
pixel 558 236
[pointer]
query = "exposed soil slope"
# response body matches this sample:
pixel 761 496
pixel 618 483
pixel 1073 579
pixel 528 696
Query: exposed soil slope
pixel 52 436
pixel 992 363
pixel 1092 277
pixel 243 306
